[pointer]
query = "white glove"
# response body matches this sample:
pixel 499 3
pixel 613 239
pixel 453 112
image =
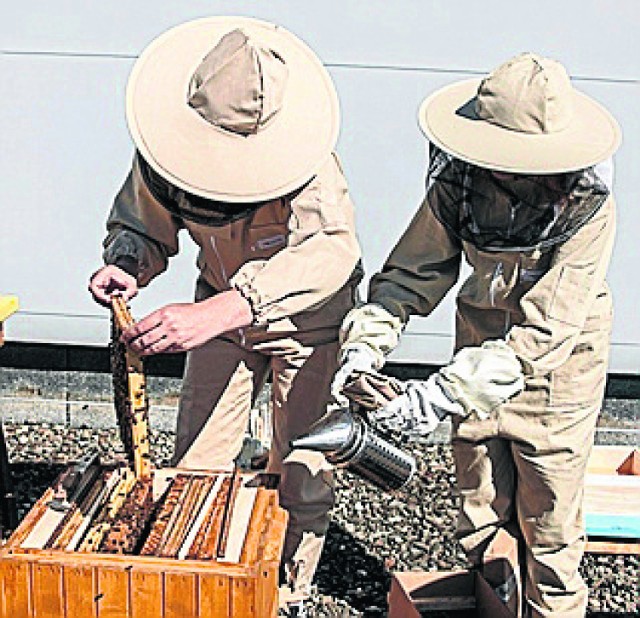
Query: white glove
pixel 477 380
pixel 352 358
pixel 480 378
pixel 417 411
pixel 374 327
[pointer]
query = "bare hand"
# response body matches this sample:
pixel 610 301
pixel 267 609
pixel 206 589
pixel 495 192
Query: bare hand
pixel 110 279
pixel 182 327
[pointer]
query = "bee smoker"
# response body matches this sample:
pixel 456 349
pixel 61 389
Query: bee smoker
pixel 346 440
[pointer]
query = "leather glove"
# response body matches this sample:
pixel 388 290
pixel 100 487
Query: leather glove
pixel 357 358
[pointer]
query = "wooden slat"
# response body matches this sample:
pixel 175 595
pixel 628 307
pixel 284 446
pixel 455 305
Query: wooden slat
pixel 180 595
pixel 111 561
pixel 612 493
pixel 15 597
pixel 260 519
pixel 602 546
pixel 146 594
pixel 47 591
pixel 208 500
pixel 30 520
pixel 227 513
pixel 238 522
pixel 267 590
pixel 112 598
pixel 243 596
pixel 80 591
pixel 275 537
pixel 214 596
pixel 43 529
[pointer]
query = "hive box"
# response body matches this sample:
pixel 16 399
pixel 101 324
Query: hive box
pixel 612 500
pixel 37 583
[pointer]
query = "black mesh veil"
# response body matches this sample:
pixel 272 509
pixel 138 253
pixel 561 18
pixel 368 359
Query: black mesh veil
pixel 510 212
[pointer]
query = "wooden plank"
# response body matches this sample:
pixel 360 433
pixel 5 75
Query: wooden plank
pixel 239 516
pixel 272 550
pixel 146 593
pixel 260 519
pixel 214 596
pixel 100 561
pixel 180 595
pixel 267 590
pixel 243 595
pixel 112 597
pixel 612 493
pixel 47 591
pixel 30 520
pixel 80 591
pixel 605 546
pixel 15 591
pixel 199 519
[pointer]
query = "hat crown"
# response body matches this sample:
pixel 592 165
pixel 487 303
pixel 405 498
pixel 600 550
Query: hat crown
pixel 528 93
pixel 239 86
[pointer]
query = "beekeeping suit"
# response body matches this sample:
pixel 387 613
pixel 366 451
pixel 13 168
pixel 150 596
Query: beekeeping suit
pixel 239 154
pixel 519 184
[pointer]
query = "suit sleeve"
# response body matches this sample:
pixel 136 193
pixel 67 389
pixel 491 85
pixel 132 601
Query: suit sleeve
pixel 321 254
pixel 142 234
pixel 421 269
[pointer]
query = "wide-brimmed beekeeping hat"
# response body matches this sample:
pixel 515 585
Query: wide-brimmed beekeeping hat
pixel 525 117
pixel 232 109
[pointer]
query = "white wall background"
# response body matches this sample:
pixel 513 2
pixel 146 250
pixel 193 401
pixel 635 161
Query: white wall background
pixel 65 147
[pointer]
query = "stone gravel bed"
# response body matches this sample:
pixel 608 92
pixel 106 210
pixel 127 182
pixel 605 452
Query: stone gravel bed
pixel 371 534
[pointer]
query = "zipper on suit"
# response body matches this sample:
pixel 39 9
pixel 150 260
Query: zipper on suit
pixel 497 272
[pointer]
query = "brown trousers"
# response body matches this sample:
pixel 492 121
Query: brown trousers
pixel 222 379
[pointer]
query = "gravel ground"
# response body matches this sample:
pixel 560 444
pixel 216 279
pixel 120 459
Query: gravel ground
pixel 371 533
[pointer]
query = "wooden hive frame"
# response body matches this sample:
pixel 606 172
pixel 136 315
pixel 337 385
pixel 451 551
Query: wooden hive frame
pixel 134 420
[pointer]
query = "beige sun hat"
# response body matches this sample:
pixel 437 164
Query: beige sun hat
pixel 525 118
pixel 232 109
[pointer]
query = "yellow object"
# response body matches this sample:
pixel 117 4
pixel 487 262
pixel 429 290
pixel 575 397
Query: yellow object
pixel 8 306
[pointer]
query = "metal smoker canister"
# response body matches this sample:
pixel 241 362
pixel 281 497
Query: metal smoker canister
pixel 347 440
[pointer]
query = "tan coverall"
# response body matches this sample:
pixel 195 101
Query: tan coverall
pixel 528 458
pixel 296 259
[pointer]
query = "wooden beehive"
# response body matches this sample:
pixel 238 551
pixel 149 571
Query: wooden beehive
pixel 136 542
pixel 46 582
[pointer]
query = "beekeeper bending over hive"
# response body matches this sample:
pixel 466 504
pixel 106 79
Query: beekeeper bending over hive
pixel 234 121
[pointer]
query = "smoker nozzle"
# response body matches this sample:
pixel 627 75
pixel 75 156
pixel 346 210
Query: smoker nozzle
pixel 346 440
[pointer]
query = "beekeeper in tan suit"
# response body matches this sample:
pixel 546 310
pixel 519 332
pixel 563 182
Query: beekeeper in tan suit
pixel 519 183
pixel 234 122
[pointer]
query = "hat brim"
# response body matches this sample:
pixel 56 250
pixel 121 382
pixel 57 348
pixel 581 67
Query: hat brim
pixel 448 120
pixel 214 163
